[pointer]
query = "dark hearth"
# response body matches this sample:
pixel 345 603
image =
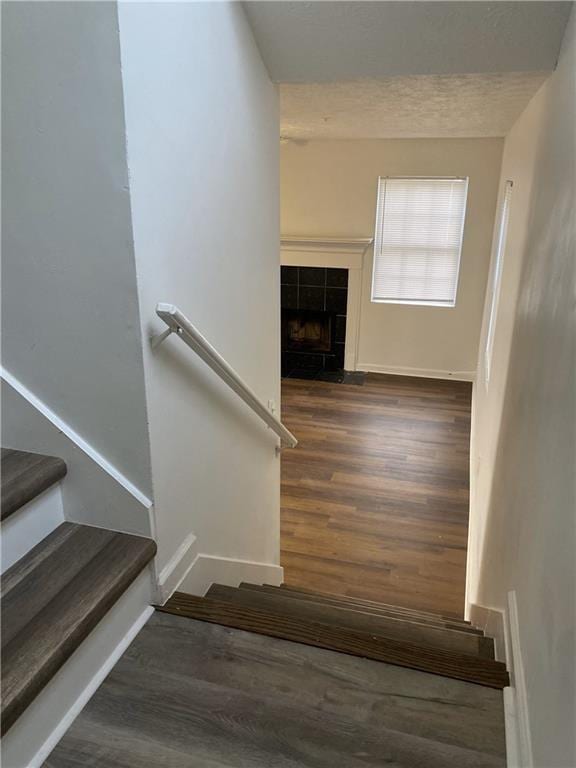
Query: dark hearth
pixel 314 303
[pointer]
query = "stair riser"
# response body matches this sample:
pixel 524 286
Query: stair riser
pixel 23 530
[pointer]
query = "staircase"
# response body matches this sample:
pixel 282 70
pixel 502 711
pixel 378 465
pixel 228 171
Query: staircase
pixel 422 641
pixel 60 587
pixel 253 675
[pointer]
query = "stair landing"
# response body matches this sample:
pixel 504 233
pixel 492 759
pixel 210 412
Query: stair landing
pixel 190 693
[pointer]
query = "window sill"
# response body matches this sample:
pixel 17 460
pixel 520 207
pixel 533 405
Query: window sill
pixel 445 305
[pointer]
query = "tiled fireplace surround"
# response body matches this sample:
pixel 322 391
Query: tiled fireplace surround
pixel 322 290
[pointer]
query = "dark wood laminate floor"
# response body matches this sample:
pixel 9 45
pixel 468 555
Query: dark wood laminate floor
pixel 375 496
pixel 188 693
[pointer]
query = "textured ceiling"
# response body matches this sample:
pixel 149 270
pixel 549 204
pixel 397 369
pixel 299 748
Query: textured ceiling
pixel 333 41
pixel 407 107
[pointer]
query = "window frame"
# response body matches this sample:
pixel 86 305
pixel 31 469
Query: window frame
pixel 380 202
pixel 499 250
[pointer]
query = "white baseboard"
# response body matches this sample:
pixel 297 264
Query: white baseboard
pixel 30 524
pixel 493 622
pixel 426 373
pixel 208 569
pixel 37 731
pixel 176 569
pixel 519 706
pixel 503 626
pixel 94 491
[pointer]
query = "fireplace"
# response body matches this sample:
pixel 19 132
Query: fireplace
pixel 314 306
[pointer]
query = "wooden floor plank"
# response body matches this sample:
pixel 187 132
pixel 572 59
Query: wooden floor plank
pixel 375 496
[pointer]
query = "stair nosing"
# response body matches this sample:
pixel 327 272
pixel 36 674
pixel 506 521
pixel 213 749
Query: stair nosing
pixel 14 498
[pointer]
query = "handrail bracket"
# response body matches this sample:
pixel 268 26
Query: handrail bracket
pixel 158 338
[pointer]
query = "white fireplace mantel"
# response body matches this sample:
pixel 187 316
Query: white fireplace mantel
pixel 340 253
pixel 326 251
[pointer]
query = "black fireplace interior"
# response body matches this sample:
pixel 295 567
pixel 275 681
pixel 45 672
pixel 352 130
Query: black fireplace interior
pixel 306 330
pixel 314 301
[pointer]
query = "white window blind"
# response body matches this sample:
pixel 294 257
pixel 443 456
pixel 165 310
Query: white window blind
pixel 418 240
pixel 497 263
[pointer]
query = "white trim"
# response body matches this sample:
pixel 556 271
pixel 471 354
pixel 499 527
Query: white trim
pixel 521 719
pixel 39 729
pixel 176 569
pixel 503 626
pixel 341 245
pixel 427 373
pixel 413 303
pixel 492 621
pixel 316 258
pixel 495 282
pixel 353 311
pixel 471 554
pixel 513 759
pixel 90 495
pixel 211 569
pixel 72 435
pixel 30 524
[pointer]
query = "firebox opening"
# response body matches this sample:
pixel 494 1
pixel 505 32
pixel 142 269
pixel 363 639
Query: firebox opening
pixel 307 331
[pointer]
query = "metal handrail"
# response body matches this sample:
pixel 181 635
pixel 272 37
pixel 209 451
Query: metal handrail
pixel 179 324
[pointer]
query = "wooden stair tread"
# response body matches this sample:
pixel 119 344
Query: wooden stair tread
pixel 377 610
pixel 372 604
pixel 24 476
pixel 372 646
pixel 54 597
pixel 346 618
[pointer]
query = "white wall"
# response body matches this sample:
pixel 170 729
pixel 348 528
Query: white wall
pixel 523 515
pixel 71 329
pixel 328 188
pixel 92 492
pixel 202 128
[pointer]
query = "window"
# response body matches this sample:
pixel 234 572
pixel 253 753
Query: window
pixel 418 240
pixel 499 246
